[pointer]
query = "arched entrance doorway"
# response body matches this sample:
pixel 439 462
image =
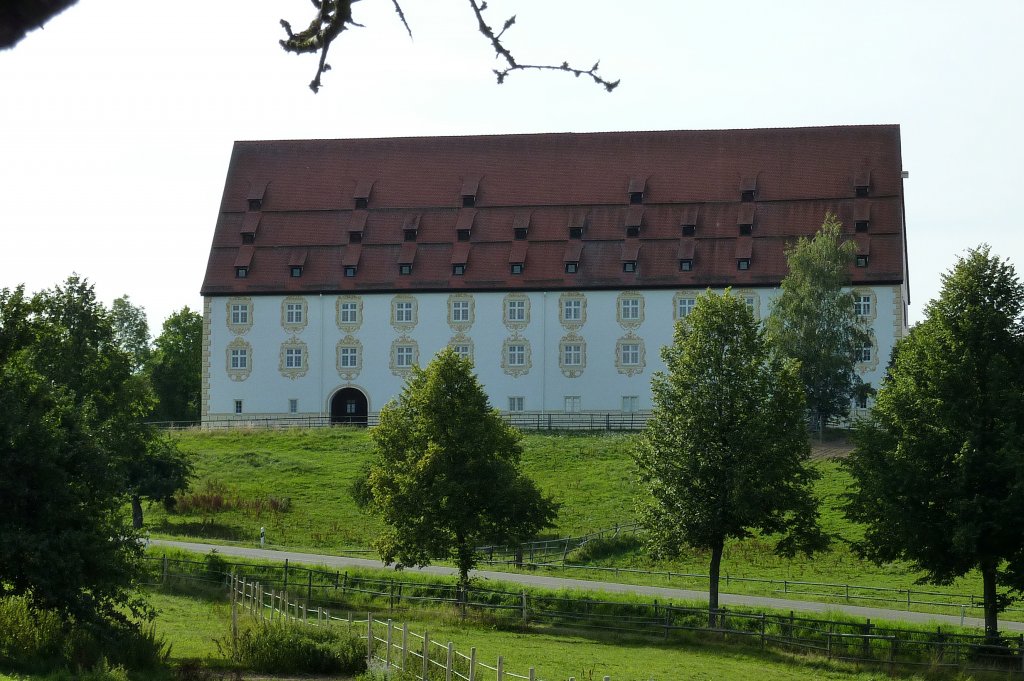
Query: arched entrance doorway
pixel 349 406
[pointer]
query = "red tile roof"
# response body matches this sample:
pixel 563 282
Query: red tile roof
pixel 550 182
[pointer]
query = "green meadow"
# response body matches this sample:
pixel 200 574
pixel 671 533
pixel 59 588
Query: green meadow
pixel 296 484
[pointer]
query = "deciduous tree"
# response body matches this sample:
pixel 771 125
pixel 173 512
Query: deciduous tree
pixel 939 463
pixel 724 454
pixel 131 331
pixel 814 321
pixel 175 369
pixel 446 476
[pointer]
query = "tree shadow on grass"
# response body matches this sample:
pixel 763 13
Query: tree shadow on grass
pixel 203 529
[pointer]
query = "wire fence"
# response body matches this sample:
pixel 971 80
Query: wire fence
pixel 539 420
pixel 861 642
pixel 415 654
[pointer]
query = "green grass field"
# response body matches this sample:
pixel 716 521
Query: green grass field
pixel 296 484
pixel 193 626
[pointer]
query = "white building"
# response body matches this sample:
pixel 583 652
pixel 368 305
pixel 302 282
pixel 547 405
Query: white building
pixel 558 263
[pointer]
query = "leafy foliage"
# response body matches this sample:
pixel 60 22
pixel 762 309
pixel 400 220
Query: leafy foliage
pixel 131 331
pixel 175 369
pixel 275 648
pixel 446 476
pixel 72 445
pixel 814 322
pixel 939 464
pixel 725 451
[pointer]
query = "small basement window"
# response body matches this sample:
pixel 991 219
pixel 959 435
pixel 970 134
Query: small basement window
pixel 463 234
pixel 241 272
pixel 629 266
pixel 743 264
pixel 689 230
pixel 520 233
pixel 350 271
pixel 458 270
pixel 405 269
pixel 686 265
pixel 517 268
pixel 572 267
pixel 862 261
pixel 362 202
pixel 861 225
pixel 296 270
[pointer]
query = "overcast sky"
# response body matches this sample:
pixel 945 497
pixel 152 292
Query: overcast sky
pixel 117 119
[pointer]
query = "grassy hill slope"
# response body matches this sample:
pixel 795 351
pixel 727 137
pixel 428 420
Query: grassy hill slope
pixel 296 484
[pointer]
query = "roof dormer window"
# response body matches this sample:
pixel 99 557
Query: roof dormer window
pixel 248 237
pixel 862 261
pixel 405 269
pixel 686 265
pixel 572 267
pixel 361 196
pixel 516 267
pixel 520 233
pixel 689 230
pixel 636 190
pixel 257 190
pixel 748 189
pixel 862 184
pixel 861 225
pixel 521 225
pixel 459 269
pixel 409 234
pixel 355 237
pixel 743 264
pixel 296 270
pixel 629 266
pixel 576 226
pixel 241 272
pixel 350 271
pixel 463 234
pixel 470 185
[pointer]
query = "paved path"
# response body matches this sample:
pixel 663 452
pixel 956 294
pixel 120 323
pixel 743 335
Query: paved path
pixel 590 585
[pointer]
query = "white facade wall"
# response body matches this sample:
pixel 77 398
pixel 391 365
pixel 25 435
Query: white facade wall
pixel 266 386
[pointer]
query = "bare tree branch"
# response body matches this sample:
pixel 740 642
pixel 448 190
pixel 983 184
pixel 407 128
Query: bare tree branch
pixel 334 16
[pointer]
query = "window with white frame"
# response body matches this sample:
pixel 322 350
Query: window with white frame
pixel 293 358
pixel 239 358
pixel 862 305
pixel 463 350
pixel 293 313
pixel 572 354
pixel 516 403
pixel 629 308
pixel 572 310
pixel 630 354
pixel 630 403
pixel 348 357
pixel 516 354
pixel 239 313
pixel 684 306
pixel 460 310
pixel 403 311
pixel 573 403
pixel 750 302
pixel 516 310
pixel 404 356
pixel 348 313
pixel 864 352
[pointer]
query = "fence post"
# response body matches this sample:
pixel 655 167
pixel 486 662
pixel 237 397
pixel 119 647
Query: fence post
pixel 472 664
pixel 449 661
pixel 1020 650
pixel 286 575
pixel 272 605
pixel 426 655
pixel 533 675
pixel 501 660
pixel 309 586
pixel 867 639
pixel 524 606
pixel 762 631
pixel 163 580
pixel 369 638
pixel 405 646
pixel 387 654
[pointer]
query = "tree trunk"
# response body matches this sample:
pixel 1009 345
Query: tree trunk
pixel 136 511
pixel 988 578
pixel 716 564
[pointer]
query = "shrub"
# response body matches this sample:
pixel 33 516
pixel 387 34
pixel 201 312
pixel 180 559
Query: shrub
pixel 275 647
